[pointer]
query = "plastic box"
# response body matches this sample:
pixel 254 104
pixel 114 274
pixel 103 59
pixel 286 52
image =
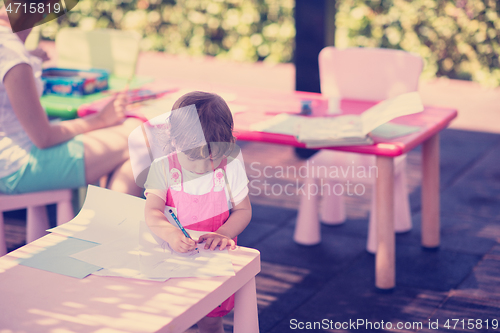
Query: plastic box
pixel 74 82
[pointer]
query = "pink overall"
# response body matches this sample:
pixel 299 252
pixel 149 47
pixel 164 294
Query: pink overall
pixel 206 212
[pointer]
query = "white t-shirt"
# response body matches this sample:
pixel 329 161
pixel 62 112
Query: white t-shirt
pixel 15 144
pixel 158 180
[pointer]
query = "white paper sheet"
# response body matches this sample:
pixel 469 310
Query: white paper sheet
pixel 158 260
pixel 354 126
pixel 127 246
pixel 105 216
pixel 283 123
pixel 389 109
pixel 120 257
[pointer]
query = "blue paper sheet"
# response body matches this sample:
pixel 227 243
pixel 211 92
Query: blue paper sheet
pixel 57 259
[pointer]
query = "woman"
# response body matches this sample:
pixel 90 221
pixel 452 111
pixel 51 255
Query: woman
pixel 36 154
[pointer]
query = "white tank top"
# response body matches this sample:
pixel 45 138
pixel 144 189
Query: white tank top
pixel 15 144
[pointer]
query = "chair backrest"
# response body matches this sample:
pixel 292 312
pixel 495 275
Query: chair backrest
pixel 146 143
pixel 114 50
pixel 368 73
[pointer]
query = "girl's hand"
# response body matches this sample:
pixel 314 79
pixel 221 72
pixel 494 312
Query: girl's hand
pixel 213 239
pixel 180 243
pixel 114 112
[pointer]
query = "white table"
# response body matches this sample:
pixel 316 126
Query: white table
pixel 33 300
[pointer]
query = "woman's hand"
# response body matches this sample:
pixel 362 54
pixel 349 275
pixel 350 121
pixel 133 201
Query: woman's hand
pixel 213 239
pixel 114 112
pixel 178 242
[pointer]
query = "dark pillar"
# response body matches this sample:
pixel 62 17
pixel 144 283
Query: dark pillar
pixel 315 29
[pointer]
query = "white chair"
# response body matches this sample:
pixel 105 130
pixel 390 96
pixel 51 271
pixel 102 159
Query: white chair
pixel 114 50
pixel 369 74
pixel 36 218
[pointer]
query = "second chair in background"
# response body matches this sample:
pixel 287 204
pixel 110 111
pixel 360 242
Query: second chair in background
pixel 368 74
pixel 113 50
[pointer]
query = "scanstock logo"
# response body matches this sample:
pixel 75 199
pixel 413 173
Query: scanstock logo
pixel 26 14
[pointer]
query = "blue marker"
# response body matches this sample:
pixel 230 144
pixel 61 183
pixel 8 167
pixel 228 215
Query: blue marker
pixel 179 224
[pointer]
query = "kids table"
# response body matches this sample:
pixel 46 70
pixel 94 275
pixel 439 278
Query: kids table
pixel 431 121
pixel 34 300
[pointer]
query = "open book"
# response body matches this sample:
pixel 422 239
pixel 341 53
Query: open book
pixel 345 129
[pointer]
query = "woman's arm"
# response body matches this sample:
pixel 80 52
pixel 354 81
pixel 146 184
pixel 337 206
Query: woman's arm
pixel 235 224
pixel 159 225
pixel 20 85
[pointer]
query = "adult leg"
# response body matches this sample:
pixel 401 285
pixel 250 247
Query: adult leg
pixel 210 325
pixel 106 151
pixel 122 180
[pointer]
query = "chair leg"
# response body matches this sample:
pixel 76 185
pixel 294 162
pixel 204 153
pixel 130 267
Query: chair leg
pixel 3 244
pixel 307 228
pixel 332 209
pixel 65 212
pixel 402 212
pixel 36 223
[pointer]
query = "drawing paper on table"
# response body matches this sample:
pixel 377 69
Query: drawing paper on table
pixel 106 215
pixel 391 131
pixel 281 124
pixel 358 126
pixel 56 259
pixel 159 260
pixel 119 258
pixel 347 126
pixel 127 247
pixel 344 129
pixel 389 109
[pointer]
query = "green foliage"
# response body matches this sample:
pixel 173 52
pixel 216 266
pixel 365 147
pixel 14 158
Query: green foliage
pixel 457 39
pixel 243 30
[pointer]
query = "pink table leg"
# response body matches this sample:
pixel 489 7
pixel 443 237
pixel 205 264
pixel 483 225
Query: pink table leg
pixel 430 192
pixel 246 318
pixel 385 260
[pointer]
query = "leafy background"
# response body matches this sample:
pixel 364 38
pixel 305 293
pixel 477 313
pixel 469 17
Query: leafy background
pixel 242 30
pixel 457 39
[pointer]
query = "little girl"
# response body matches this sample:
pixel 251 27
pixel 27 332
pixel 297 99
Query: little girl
pixel 203 181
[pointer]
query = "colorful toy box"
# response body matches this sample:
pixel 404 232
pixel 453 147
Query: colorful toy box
pixel 74 82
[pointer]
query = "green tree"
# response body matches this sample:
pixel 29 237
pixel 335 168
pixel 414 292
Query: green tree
pixel 457 39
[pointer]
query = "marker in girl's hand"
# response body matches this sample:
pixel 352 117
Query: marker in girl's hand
pixel 180 225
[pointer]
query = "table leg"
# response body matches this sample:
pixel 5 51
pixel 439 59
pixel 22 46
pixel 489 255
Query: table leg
pixel 246 318
pixel 430 192
pixel 385 260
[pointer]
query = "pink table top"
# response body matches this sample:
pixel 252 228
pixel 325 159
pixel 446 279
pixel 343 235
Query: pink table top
pixel 34 300
pixel 431 120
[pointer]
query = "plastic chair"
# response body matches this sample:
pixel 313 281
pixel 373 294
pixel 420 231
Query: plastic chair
pixel 370 74
pixel 114 50
pixel 36 219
